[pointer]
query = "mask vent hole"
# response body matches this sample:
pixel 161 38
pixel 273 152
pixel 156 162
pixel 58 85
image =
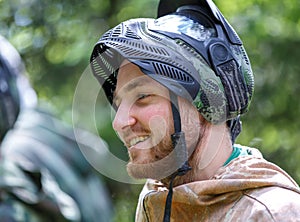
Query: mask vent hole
pixel 171 72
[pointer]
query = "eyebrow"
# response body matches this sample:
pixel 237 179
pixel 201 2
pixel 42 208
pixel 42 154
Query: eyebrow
pixel 131 86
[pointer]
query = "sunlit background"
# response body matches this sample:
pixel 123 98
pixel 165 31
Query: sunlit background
pixel 55 39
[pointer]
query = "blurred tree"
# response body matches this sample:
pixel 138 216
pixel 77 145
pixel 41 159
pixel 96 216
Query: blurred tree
pixel 56 37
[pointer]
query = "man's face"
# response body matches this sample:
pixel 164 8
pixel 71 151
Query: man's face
pixel 144 121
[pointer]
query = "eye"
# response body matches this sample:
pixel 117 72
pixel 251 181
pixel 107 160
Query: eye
pixel 143 96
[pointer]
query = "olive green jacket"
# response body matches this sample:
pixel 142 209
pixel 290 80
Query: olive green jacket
pixel 249 188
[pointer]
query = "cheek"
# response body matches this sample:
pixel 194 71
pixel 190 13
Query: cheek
pixel 156 118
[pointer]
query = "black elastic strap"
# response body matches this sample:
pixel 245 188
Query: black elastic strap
pixel 168 206
pixel 175 112
pixel 235 126
pixel 178 139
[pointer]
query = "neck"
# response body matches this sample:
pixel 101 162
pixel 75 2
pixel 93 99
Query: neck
pixel 211 152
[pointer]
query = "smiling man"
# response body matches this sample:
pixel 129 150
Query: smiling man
pixel 142 120
pixel 144 123
pixel 179 84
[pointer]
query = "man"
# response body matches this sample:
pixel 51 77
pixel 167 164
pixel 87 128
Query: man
pixel 179 84
pixel 43 174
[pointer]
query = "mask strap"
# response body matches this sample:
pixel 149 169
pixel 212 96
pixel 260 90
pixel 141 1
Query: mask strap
pixel 235 126
pixel 178 139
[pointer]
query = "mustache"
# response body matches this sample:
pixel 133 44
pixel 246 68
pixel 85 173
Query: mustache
pixel 133 131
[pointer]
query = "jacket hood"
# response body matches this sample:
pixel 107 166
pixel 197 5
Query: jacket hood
pixel 227 186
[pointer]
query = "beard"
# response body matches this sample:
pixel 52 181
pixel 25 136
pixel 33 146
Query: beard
pixel 160 161
pixel 164 159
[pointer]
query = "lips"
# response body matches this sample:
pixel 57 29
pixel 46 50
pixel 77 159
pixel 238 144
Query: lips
pixel 136 140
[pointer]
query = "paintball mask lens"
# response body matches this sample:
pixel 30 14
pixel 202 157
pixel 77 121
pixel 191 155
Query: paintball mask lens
pixel 180 24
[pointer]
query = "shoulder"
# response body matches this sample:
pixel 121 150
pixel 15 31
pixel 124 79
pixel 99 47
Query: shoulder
pixel 277 202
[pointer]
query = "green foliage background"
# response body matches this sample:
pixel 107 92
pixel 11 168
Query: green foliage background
pixel 55 39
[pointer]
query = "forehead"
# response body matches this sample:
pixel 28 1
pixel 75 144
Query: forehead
pixel 129 74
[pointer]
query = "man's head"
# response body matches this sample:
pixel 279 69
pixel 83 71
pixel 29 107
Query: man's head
pixel 144 122
pixel 194 53
pixel 15 90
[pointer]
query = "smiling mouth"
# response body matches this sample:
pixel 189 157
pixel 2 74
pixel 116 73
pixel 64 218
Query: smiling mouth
pixel 137 140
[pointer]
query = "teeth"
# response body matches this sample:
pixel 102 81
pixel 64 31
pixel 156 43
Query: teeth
pixel 136 140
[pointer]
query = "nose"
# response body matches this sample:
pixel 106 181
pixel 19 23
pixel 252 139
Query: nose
pixel 123 118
